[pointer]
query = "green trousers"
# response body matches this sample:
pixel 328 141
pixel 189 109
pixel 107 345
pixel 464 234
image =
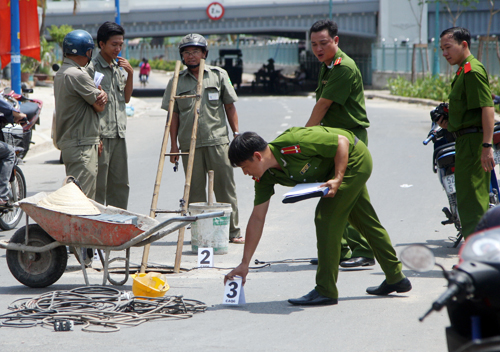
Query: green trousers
pixel 472 182
pixel 214 158
pixel 353 243
pixel 112 176
pixel 81 163
pixel 351 203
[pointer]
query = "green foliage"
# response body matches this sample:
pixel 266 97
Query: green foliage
pixel 429 87
pixel 58 33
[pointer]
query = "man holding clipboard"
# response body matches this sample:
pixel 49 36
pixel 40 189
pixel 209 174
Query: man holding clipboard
pixel 343 162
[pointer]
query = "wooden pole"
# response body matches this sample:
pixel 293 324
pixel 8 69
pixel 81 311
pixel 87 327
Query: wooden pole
pixel 161 161
pixel 189 169
pixel 211 187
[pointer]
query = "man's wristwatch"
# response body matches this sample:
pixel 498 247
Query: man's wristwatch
pixel 487 145
pixel 236 134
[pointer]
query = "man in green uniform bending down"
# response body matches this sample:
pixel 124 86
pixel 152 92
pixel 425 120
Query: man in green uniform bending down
pixel 340 103
pixel 112 176
pixel 212 141
pixel 471 121
pixel 77 103
pixel 340 160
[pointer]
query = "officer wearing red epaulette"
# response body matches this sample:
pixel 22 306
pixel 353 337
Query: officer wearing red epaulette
pixel 340 160
pixel 471 121
pixel 340 103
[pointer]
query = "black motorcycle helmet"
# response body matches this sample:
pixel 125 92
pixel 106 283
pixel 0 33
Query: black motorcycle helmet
pixel 490 219
pixel 193 39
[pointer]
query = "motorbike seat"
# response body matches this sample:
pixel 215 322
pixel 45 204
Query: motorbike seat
pixel 29 108
pixel 438 158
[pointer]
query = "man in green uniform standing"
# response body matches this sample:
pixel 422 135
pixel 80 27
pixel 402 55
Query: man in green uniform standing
pixel 340 103
pixel 471 121
pixel 212 141
pixel 77 103
pixel 112 175
pixel 340 160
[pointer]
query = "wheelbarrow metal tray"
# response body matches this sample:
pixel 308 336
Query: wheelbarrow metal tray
pixel 86 231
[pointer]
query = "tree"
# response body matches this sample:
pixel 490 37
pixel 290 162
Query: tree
pixel 58 33
pixel 43 5
pixel 459 7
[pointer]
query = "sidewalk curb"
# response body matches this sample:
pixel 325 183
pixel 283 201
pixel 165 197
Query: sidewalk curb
pixel 382 95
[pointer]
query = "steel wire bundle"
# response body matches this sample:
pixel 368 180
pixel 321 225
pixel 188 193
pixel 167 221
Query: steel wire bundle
pixel 97 308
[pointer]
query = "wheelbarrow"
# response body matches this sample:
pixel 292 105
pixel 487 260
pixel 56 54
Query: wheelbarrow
pixel 37 254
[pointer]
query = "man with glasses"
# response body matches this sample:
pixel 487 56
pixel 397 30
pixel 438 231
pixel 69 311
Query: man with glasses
pixel 212 141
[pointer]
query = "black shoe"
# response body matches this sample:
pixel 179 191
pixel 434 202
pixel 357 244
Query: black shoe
pixel 384 289
pixel 357 261
pixel 315 260
pixel 313 298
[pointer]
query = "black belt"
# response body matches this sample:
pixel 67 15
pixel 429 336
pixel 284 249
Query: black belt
pixel 467 130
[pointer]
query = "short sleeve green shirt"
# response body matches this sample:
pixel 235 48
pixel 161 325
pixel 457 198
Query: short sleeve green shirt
pixel 312 159
pixel 342 83
pixel 75 92
pixel 470 91
pixel 212 125
pixel 113 119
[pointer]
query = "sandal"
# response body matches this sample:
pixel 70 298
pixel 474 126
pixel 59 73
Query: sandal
pixel 237 240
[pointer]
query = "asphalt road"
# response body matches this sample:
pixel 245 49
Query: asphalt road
pixel 404 191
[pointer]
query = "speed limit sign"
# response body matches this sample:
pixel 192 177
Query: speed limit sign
pixel 215 11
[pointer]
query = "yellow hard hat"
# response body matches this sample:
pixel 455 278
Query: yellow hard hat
pixel 149 285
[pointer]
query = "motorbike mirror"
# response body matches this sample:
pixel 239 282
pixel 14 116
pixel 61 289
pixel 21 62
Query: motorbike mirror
pixel 55 67
pixel 418 257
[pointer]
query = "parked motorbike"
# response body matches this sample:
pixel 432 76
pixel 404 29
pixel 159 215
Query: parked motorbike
pixel 10 217
pixel 443 164
pixel 20 135
pixel 472 298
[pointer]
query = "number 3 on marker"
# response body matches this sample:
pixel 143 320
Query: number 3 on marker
pixel 233 291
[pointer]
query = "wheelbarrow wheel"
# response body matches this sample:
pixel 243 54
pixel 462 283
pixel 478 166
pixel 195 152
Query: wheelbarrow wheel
pixel 36 269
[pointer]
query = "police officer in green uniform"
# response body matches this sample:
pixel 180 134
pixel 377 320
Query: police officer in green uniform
pixel 340 160
pixel 77 103
pixel 471 121
pixel 112 175
pixel 340 103
pixel 212 141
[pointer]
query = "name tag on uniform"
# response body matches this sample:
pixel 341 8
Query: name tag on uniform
pixel 213 96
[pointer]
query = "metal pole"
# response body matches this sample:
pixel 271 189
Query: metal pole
pixel 331 7
pixel 117 14
pixel 435 66
pixel 15 63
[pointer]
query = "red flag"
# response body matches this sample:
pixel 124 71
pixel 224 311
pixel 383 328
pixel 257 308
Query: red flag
pixel 30 33
pixel 29 30
pixel 5 32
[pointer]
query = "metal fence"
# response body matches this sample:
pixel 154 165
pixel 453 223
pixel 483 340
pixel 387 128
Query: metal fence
pixel 398 58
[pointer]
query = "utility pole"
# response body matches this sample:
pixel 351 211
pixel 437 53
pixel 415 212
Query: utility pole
pixel 435 66
pixel 117 14
pixel 15 39
pixel 331 8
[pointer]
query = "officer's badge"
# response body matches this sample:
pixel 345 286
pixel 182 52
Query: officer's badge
pixel 256 179
pixel 467 67
pixel 294 149
pixel 337 62
pixel 305 168
pixel 459 70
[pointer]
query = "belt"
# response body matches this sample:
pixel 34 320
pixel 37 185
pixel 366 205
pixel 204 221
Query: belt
pixel 467 130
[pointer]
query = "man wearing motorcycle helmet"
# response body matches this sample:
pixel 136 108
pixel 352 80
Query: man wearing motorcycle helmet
pixel 77 103
pixel 212 141
pixel 471 121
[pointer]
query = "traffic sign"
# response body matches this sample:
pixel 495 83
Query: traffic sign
pixel 215 11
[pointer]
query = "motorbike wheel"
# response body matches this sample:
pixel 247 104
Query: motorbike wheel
pixel 17 191
pixel 36 269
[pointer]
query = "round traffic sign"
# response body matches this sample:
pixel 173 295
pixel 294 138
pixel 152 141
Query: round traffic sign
pixel 215 11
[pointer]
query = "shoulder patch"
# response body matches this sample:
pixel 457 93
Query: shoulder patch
pixel 338 61
pixel 459 70
pixel 467 67
pixel 293 149
pixel 256 179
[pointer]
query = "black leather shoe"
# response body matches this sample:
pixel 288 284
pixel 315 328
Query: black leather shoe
pixel 315 261
pixel 384 289
pixel 313 298
pixel 357 261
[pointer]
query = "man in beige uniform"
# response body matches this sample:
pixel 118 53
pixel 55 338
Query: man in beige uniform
pixel 77 101
pixel 212 142
pixel 112 175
